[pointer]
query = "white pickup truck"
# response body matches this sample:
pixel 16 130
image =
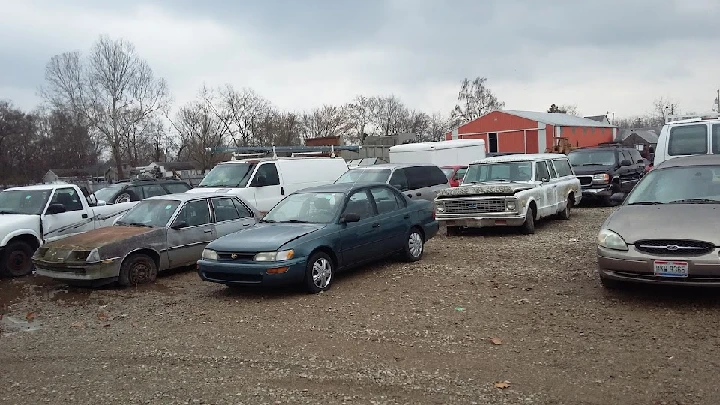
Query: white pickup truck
pixel 33 215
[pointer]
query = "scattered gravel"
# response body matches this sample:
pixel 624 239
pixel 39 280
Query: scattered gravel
pixel 389 333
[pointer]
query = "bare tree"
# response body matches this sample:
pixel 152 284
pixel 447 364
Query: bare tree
pixel 199 128
pixel 474 100
pixel 241 112
pixel 414 122
pixel 569 109
pixel 325 121
pixel 360 115
pixel 438 126
pixel 114 90
pixel 663 107
pixel 389 115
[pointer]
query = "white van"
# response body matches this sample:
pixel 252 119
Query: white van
pixel 264 182
pixel 697 134
pixel 443 153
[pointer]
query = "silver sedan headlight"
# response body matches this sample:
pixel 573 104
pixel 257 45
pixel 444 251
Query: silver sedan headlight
pixel 94 256
pixel 611 240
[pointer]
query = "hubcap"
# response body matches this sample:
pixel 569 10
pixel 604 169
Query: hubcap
pixel 415 244
pixel 322 273
pixel 122 199
pixel 18 262
pixel 140 273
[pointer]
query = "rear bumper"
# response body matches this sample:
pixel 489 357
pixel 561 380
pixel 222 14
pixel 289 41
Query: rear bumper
pixel 107 269
pixel 252 273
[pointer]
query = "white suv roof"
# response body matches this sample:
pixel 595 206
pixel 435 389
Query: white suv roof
pixel 521 157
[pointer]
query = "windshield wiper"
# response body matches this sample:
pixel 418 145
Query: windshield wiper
pixel 134 224
pixel 595 164
pixel 695 201
pixel 295 221
pixel 8 212
pixel 645 203
pixel 269 221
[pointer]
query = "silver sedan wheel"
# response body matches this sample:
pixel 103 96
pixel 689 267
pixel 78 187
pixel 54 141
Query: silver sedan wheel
pixel 415 244
pixel 322 273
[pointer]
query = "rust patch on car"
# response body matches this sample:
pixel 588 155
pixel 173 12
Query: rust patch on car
pixel 98 237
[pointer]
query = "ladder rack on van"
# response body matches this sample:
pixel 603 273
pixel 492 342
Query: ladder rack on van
pixel 680 118
pixel 261 150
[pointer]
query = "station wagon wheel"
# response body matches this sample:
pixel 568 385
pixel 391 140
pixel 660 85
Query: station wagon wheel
pixel 319 273
pixel 565 214
pixel 415 245
pixel 17 261
pixel 137 269
pixel 528 227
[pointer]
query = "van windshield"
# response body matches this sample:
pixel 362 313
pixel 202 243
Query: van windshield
pixel 228 175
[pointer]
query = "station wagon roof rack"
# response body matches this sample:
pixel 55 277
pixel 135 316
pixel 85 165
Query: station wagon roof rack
pixel 263 150
pixel 693 117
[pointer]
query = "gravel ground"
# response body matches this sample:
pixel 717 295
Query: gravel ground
pixel 480 309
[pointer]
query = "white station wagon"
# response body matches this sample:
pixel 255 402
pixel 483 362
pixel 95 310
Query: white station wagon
pixel 512 190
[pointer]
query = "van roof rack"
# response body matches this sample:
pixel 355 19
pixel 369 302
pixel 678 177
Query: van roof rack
pixel 261 150
pixel 693 117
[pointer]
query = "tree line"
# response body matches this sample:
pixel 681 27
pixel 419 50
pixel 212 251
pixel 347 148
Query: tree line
pixel 109 105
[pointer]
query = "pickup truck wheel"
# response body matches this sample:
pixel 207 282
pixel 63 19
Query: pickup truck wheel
pixel 17 261
pixel 528 227
pixel 137 269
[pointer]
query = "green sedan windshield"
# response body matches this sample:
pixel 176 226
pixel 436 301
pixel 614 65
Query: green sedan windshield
pixel 319 208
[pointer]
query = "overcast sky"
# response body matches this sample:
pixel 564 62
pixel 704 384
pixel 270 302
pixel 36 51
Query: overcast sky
pixel 601 55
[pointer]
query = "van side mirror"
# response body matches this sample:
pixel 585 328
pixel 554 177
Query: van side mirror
pixel 55 209
pixel 625 162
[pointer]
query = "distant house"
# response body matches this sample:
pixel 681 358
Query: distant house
pixel 639 138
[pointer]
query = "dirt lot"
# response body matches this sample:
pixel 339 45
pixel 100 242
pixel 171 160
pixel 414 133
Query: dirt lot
pixel 390 333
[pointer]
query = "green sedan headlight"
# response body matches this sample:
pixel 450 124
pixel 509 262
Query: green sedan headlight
pixel 275 256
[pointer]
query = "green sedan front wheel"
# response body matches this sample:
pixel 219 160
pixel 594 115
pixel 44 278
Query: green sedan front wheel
pixel 319 272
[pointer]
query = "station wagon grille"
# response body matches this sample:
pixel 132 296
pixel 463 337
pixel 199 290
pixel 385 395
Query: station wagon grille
pixel 585 180
pixel 475 206
pixel 228 256
pixel 674 247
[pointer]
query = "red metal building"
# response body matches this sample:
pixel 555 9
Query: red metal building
pixel 533 132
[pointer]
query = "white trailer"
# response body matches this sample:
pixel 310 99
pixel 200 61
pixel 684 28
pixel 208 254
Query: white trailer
pixel 458 152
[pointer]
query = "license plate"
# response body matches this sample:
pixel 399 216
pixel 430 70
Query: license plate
pixel 669 268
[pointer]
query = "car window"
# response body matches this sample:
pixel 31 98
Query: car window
pixel 435 175
pixel 173 188
pixel 224 210
pixel 688 140
pixel 418 177
pixel 69 198
pixel 635 154
pixel 267 175
pixel 242 209
pixel 399 180
pixel 385 200
pixel 134 193
pixel 551 170
pixel 359 203
pixel 195 213
pixel 716 138
pixel 448 171
pixel 153 190
pixel 460 174
pixel 562 167
pixel 541 171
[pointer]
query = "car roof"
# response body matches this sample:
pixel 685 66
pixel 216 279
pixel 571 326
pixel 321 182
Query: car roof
pixel 340 187
pixel 521 157
pixel 392 166
pixel 149 181
pixel 182 197
pixel 689 161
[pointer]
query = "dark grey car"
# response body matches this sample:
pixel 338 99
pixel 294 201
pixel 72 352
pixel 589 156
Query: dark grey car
pixel 417 181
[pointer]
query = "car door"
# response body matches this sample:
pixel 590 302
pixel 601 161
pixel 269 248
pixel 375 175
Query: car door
pixel 360 240
pixel 228 218
pixel 74 218
pixel 191 231
pixel 438 181
pixel 267 187
pixel 626 173
pixel 393 219
pixel 554 185
pixel 544 200
pixel 398 179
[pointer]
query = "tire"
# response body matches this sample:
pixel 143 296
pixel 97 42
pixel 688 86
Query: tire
pixel 319 273
pixel 609 203
pixel 414 245
pixel 453 230
pixel 528 227
pixel 610 284
pixel 126 196
pixel 565 214
pixel 137 269
pixel 17 260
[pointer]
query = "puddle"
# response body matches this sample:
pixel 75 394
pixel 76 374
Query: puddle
pixel 10 325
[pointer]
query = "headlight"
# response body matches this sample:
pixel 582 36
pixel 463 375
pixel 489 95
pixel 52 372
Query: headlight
pixel 511 205
pixel 610 240
pixel 209 254
pixel 94 256
pixel 275 256
pixel 602 178
pixel 440 207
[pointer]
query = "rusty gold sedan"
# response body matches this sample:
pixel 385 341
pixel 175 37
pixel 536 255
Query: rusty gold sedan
pixel 159 233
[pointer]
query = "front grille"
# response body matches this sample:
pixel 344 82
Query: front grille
pixel 475 206
pixel 585 180
pixel 674 247
pixel 228 256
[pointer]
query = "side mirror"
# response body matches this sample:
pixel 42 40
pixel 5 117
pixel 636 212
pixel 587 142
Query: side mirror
pixel 350 217
pixel 179 225
pixel 625 163
pixel 100 203
pixel 55 209
pixel 545 180
pixel 618 197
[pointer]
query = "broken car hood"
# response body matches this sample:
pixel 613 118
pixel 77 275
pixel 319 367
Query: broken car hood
pixel 97 238
pixel 489 188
